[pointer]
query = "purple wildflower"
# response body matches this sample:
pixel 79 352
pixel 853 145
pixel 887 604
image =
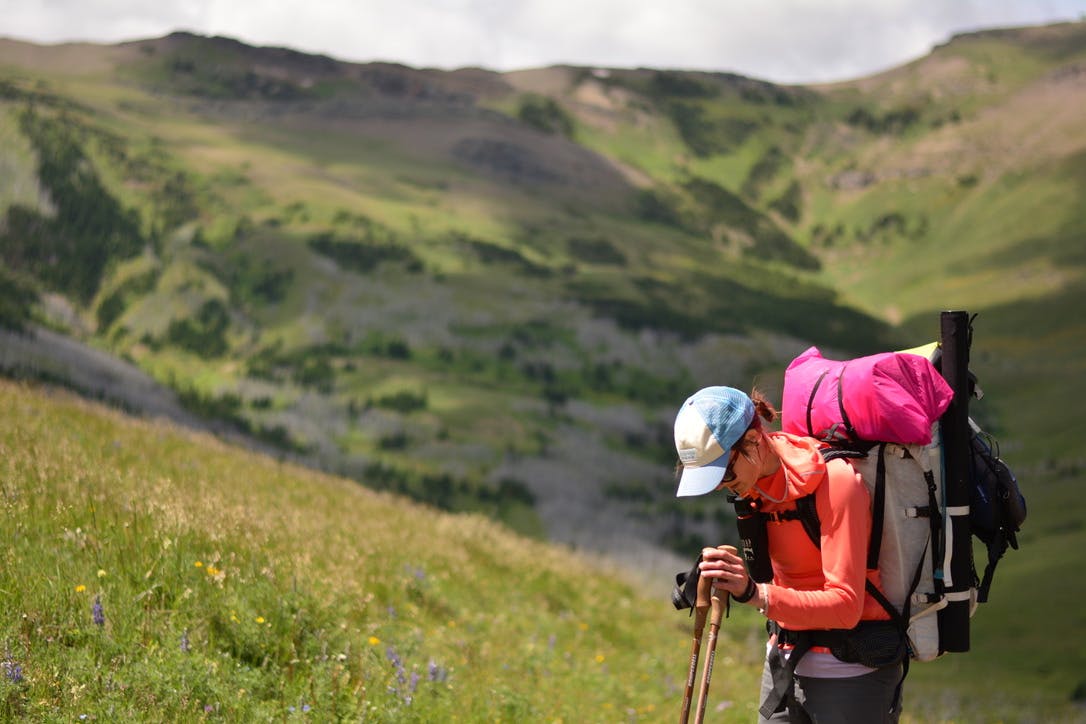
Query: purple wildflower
pixel 185 647
pixel 97 613
pixel 13 671
pixel 306 708
pixel 405 686
pixel 437 673
pixel 394 657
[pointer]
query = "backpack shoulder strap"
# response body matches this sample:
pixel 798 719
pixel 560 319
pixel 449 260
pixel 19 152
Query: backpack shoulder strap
pixel 808 516
pixel 878 503
pixel 806 513
pixel 878 511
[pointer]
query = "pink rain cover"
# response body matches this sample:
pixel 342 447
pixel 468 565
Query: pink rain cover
pixel 889 397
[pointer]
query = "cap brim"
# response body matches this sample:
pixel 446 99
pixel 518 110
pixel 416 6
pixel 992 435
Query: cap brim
pixel 703 478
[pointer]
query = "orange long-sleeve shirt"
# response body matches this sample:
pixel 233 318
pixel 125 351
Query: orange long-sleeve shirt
pixel 813 588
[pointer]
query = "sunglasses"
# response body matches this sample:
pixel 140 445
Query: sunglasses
pixel 729 476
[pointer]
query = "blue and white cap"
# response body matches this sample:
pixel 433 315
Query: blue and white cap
pixel 709 423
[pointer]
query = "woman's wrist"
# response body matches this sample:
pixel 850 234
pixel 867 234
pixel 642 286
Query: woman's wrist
pixel 748 593
pixel 755 594
pixel 761 598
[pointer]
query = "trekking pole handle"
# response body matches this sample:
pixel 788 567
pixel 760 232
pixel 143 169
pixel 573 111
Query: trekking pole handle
pixel 718 603
pixel 719 599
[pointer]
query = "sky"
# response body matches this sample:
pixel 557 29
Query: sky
pixel 786 41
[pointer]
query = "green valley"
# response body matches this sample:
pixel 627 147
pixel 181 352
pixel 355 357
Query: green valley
pixel 488 293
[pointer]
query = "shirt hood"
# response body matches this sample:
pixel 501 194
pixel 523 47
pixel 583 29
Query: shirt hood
pixel 802 469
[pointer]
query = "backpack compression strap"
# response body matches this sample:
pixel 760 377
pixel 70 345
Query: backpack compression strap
pixel 810 401
pixel 850 431
pixel 831 434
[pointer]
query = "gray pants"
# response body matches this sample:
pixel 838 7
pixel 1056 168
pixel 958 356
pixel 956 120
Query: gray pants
pixel 863 699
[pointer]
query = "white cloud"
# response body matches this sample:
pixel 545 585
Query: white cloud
pixel 782 40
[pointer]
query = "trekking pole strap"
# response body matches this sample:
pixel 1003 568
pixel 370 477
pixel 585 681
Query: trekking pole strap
pixel 684 594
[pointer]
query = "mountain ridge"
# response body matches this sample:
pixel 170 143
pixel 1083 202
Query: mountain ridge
pixel 467 271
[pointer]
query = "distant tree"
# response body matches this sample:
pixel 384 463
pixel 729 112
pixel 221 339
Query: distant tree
pixel 70 249
pixel 545 114
pixel 204 334
pixel 790 203
pixel 17 298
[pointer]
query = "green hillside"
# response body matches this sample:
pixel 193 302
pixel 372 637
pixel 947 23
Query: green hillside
pixel 488 292
pixel 235 588
pixel 405 276
pixel 154 574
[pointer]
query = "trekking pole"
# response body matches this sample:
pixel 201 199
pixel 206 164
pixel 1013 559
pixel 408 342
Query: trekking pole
pixel 701 612
pixel 718 602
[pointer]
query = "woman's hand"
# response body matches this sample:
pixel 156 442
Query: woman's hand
pixel 725 568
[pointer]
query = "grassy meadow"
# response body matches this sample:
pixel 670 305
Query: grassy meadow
pixel 154 574
pixel 151 574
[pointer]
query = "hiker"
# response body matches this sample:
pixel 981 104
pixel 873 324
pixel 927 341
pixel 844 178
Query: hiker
pixel 724 447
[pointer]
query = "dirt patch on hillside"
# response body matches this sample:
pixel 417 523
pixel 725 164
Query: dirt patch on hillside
pixel 67 58
pixel 553 81
pixel 1041 123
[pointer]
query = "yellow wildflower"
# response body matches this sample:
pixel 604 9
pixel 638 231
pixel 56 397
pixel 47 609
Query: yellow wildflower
pixel 101 573
pixel 600 658
pixel 374 640
pixel 260 619
pixel 80 588
pixel 199 564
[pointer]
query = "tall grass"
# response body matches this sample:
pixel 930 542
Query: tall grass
pixel 155 575
pixel 152 574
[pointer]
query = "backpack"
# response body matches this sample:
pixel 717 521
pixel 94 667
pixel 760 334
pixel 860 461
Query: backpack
pixel 908 536
pixel 907 544
pixel 892 396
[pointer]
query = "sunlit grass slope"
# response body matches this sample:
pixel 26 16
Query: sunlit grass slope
pixel 151 574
